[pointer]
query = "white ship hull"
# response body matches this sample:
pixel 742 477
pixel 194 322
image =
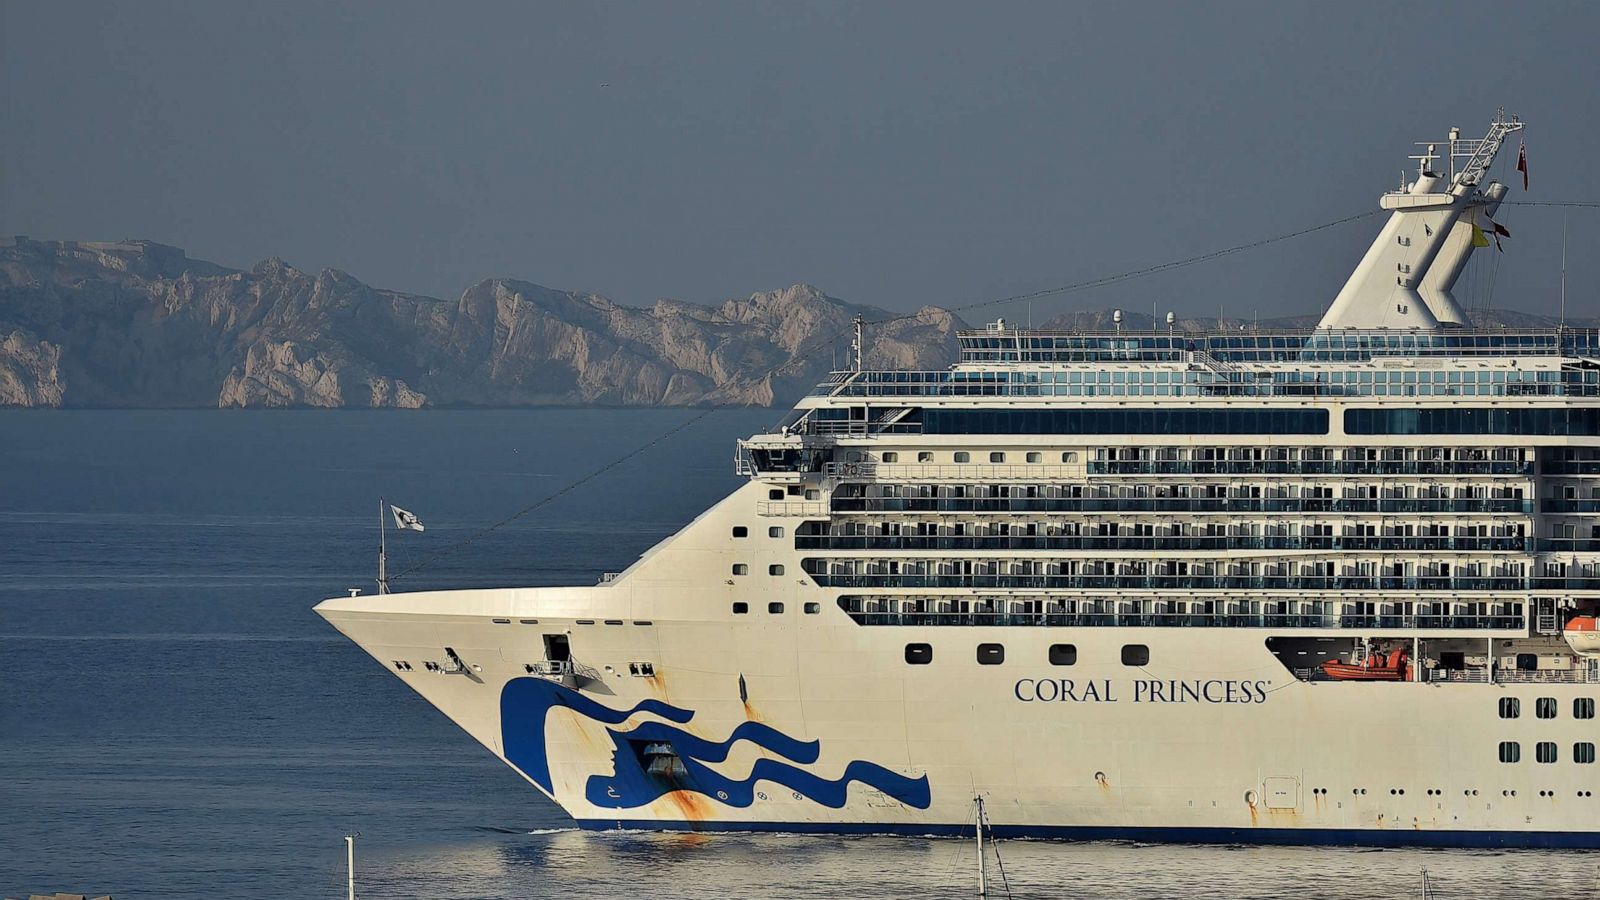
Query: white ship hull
pixel 1212 740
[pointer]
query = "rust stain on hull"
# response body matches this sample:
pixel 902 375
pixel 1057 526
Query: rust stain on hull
pixel 691 807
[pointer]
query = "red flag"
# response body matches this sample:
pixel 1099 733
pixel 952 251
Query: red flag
pixel 1522 163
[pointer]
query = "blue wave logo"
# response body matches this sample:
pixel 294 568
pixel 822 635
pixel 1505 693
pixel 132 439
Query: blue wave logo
pixel 656 758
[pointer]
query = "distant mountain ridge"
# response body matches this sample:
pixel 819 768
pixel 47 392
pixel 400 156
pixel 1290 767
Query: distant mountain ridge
pixel 140 324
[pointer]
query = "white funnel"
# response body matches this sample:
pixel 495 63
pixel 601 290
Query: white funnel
pixel 1452 259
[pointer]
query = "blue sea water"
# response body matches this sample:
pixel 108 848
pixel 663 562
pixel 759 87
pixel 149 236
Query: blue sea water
pixel 176 722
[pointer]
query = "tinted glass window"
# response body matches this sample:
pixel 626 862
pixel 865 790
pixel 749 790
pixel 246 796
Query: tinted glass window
pixel 1510 707
pixel 1583 752
pixel 1510 751
pixel 740 607
pixel 1063 654
pixel 1135 655
pixel 1545 752
pixel 775 607
pixel 1545 707
pixel 991 654
pixel 1583 708
pixel 919 654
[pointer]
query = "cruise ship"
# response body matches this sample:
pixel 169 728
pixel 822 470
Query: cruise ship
pixel 1329 586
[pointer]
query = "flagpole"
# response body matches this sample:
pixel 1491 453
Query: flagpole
pixel 1564 214
pixel 383 578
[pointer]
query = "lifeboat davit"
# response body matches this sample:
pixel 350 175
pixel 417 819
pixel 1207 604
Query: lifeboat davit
pixel 1583 635
pixel 1377 666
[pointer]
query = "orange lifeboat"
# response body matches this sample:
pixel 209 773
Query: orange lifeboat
pixel 1583 635
pixel 1378 666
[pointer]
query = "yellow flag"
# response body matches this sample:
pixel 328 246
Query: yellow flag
pixel 1479 239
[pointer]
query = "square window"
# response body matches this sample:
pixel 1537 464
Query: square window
pixel 889 456
pixel 775 607
pixel 963 456
pixel 741 568
pixel 1583 752
pixel 1510 751
pixel 991 654
pixel 919 654
pixel 776 531
pixel 1545 751
pixel 1583 708
pixel 1069 456
pixel 1135 655
pixel 1510 707
pixel 1034 456
pixel 997 457
pixel 924 456
pixel 775 494
pixel 1545 707
pixel 775 569
pixel 740 607
pixel 740 531
pixel 812 608
pixel 1063 654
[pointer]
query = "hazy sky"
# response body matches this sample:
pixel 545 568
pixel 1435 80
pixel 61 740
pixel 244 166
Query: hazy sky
pixel 891 153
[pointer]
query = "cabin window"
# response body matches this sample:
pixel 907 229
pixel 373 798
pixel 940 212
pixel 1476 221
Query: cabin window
pixel 775 494
pixel 740 607
pixel 963 456
pixel 1545 707
pixel 775 607
pixel 1583 708
pixel 812 608
pixel 997 457
pixel 924 456
pixel 775 531
pixel 1583 752
pixel 775 569
pixel 1069 456
pixel 740 531
pixel 1135 655
pixel 1510 707
pixel 889 456
pixel 1063 654
pixel 991 654
pixel 1034 456
pixel 1545 751
pixel 1510 752
pixel 741 569
pixel 1527 662
pixel 919 654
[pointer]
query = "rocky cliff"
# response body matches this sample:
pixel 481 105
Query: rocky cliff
pixel 140 324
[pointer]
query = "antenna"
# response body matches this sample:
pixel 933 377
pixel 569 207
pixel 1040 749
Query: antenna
pixel 350 865
pixel 860 341
pixel 1565 213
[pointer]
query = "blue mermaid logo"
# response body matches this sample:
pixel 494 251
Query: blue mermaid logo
pixel 656 757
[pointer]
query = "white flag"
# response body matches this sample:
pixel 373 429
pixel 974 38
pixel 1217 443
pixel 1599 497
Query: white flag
pixel 404 519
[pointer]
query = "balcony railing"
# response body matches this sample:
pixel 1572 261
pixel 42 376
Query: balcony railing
pixel 1193 543
pixel 1091 582
pixel 1512 505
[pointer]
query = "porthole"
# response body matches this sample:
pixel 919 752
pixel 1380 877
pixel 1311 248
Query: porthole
pixel 740 531
pixel 775 607
pixel 812 608
pixel 963 456
pixel 991 654
pixel 919 654
pixel 775 569
pixel 740 607
pixel 1063 654
pixel 1135 655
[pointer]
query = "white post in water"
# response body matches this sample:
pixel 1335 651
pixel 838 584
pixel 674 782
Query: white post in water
pixel 383 577
pixel 350 866
pixel 983 875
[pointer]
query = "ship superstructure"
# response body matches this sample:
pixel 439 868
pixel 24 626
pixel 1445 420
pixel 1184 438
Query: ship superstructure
pixel 1333 585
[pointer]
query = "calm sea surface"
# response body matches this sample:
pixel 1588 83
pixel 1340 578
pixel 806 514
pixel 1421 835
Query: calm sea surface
pixel 176 722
